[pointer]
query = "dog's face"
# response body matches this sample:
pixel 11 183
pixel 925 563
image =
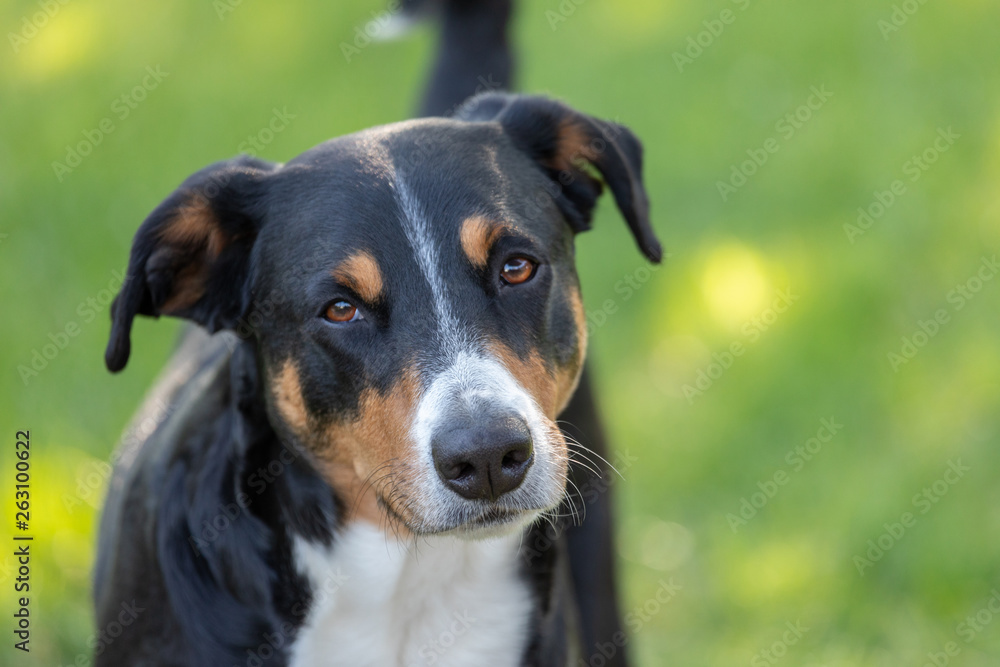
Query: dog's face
pixel 427 326
pixel 412 294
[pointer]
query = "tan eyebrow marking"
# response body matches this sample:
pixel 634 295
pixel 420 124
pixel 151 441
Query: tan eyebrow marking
pixel 478 234
pixel 360 272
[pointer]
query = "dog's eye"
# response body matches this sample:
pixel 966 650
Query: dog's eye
pixel 517 270
pixel 341 311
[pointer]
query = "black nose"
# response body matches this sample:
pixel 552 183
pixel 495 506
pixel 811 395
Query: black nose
pixel 484 461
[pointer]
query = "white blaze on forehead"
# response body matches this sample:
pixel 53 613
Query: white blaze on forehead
pixel 417 230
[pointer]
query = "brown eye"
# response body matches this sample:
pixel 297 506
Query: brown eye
pixel 518 270
pixel 341 311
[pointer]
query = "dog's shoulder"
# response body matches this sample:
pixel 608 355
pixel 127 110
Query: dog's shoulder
pixel 159 542
pixel 191 389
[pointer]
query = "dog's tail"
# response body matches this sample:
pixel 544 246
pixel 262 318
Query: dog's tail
pixel 474 52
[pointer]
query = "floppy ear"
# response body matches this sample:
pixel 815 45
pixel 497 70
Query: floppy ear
pixel 191 256
pixel 563 141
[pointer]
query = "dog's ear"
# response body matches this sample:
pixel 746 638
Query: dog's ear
pixel 562 142
pixel 191 256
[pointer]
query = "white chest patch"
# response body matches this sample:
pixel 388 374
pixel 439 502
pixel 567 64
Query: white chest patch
pixel 443 601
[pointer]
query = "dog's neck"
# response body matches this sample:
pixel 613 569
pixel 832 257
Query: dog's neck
pixel 437 600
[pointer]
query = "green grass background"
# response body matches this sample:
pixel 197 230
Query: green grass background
pixel 826 356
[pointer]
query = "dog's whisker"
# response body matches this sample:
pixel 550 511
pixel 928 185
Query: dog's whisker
pixel 584 450
pixel 585 466
pixel 369 481
pixel 578 517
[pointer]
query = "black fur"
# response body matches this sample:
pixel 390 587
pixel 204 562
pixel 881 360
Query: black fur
pixel 533 123
pixel 474 54
pixel 212 563
pixel 232 189
pixel 198 526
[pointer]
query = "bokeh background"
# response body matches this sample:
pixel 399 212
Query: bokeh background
pixel 894 77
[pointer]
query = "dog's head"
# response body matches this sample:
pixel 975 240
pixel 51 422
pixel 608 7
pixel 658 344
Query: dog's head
pixel 412 294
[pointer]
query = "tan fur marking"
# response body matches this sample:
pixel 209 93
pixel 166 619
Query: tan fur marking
pixel 188 287
pixel 365 460
pixel 580 319
pixel 552 390
pixel 370 458
pixel 194 233
pixel 568 377
pixel 574 144
pixel 288 399
pixel 360 272
pixel 360 499
pixel 530 373
pixel 195 225
pixel 478 234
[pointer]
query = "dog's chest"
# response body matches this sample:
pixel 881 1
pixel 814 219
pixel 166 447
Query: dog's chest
pixel 442 601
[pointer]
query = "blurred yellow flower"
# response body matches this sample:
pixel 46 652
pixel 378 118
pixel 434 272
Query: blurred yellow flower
pixel 734 284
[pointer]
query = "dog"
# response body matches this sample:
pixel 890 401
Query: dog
pixel 355 457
